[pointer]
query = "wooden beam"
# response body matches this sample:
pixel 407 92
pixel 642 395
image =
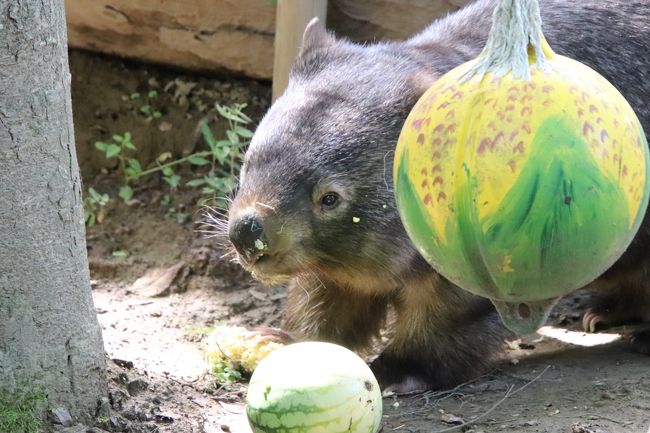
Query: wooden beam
pixel 206 35
pixel 292 16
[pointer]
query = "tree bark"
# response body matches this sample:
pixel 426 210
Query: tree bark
pixel 49 335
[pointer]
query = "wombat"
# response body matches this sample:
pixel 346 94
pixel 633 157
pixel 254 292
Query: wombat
pixel 315 206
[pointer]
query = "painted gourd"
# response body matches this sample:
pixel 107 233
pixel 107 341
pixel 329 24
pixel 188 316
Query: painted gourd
pixel 522 190
pixel 313 387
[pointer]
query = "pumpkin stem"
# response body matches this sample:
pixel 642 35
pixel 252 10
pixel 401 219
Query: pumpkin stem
pixel 515 42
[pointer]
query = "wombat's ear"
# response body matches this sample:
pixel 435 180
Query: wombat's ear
pixel 315 37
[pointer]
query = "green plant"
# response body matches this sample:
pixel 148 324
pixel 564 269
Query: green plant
pixel 222 159
pixel 147 108
pixel 19 413
pixel 94 203
pixel 130 168
pixel 226 156
pixel 167 203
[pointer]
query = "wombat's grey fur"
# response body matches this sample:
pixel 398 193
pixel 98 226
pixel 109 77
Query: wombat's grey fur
pixel 315 206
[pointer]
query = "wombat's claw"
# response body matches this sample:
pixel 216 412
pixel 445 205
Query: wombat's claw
pixel 591 319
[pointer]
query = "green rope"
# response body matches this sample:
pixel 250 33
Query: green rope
pixel 516 26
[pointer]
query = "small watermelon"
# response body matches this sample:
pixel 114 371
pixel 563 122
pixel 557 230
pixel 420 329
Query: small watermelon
pixel 313 387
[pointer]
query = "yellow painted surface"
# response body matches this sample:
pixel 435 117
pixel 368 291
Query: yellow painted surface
pixel 486 127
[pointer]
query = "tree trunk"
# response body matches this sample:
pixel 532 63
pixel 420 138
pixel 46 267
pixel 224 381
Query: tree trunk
pixel 49 335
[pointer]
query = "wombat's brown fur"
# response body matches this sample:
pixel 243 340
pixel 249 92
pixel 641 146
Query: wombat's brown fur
pixel 315 206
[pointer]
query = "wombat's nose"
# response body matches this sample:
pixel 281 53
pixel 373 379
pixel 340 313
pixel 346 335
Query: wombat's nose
pixel 247 236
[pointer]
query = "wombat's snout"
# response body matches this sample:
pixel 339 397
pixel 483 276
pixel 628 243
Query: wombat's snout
pixel 247 235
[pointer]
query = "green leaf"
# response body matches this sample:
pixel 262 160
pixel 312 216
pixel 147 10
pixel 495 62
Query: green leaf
pixel 208 190
pixel 221 203
pixel 101 145
pixel 232 114
pixel 208 136
pixel 221 155
pixel 164 156
pixel 112 150
pixel 127 136
pixel 197 160
pixel 128 145
pixel 135 95
pixel 90 218
pixel 229 184
pixel 203 201
pixel 145 109
pixel 195 182
pixel 117 138
pixel 157 114
pixel 126 193
pixel 94 195
pixel 233 137
pixel 243 132
pixel 168 171
pixel 134 169
pixel 173 180
pixel 135 164
pixel 214 182
pixel 152 93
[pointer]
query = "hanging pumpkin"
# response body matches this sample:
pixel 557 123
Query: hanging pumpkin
pixel 521 175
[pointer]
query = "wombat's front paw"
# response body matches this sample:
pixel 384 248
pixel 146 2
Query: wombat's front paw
pixel 592 318
pixel 597 319
pixel 393 377
pixel 605 310
pixel 615 309
pixel 640 342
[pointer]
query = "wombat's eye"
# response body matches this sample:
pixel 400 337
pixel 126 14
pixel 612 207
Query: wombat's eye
pixel 329 201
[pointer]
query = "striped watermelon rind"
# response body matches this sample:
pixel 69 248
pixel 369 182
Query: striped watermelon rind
pixel 313 387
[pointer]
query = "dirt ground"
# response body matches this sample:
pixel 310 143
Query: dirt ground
pixel 166 283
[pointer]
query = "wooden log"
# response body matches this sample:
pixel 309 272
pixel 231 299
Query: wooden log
pixel 196 34
pixel 386 19
pixel 237 35
pixel 291 19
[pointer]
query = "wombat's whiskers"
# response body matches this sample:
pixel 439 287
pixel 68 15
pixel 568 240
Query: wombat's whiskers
pixel 385 171
pixel 314 275
pixel 231 253
pixel 300 284
pixel 310 309
pixel 215 209
pixel 307 266
pixel 266 206
pixel 214 224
